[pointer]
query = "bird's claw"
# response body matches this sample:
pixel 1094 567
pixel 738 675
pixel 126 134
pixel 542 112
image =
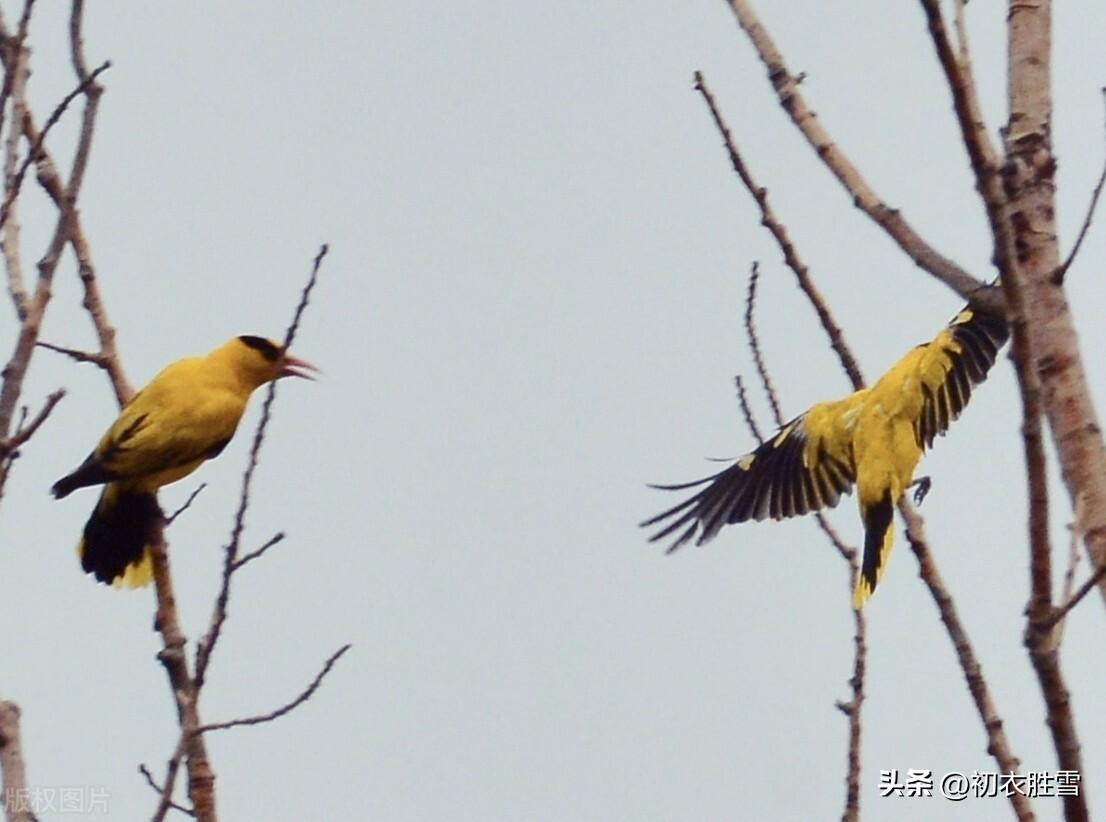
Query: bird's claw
pixel 922 485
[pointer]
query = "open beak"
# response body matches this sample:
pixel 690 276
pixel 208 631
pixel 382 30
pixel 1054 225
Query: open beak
pixel 295 367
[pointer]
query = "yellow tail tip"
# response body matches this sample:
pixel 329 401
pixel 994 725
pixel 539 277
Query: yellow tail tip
pixel 861 592
pixel 137 574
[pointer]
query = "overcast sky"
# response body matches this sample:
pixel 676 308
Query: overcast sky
pixel 532 308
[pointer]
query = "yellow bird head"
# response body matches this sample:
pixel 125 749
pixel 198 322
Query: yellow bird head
pixel 257 360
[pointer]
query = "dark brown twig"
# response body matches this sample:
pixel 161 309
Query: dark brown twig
pixel 16 184
pixel 790 254
pixel 754 345
pixel 25 432
pixel 284 709
pixel 187 504
pixel 1061 611
pixel 142 769
pixel 166 803
pixel 252 555
pixel 99 360
pixel 219 614
pixel 984 159
pixel 997 744
pixel 890 219
pixel 1062 271
pixel 852 709
pixel 746 411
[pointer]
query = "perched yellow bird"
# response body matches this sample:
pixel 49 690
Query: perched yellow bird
pixel 186 415
pixel 874 438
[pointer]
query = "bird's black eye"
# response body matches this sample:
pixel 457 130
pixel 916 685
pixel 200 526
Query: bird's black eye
pixel 268 350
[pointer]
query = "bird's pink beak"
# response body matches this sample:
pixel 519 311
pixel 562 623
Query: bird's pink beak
pixel 295 367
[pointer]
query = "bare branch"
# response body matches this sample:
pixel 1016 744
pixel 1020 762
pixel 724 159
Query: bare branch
pixel 201 778
pixel 864 197
pixel 754 345
pixel 186 505
pixel 24 433
pixel 219 614
pixel 166 802
pixel 252 555
pixel 142 769
pixel 985 161
pixel 305 296
pixel 783 240
pixel 16 184
pixel 99 360
pixel 997 744
pixel 852 708
pixel 1062 271
pixel 1056 618
pixel 284 709
pixel 746 411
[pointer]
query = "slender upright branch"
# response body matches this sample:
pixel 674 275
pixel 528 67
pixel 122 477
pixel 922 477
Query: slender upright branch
pixel 1062 271
pixel 754 345
pixel 230 561
pixel 746 411
pixel 997 744
pixel 985 160
pixel 770 221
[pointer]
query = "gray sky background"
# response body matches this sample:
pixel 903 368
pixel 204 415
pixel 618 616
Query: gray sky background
pixel 531 308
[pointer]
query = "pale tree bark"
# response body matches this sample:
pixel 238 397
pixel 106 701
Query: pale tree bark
pixel 14 800
pixel 1029 180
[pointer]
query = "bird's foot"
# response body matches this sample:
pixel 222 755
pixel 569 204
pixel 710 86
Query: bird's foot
pixel 921 487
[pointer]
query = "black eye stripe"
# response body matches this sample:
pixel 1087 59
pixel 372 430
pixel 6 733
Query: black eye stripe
pixel 267 349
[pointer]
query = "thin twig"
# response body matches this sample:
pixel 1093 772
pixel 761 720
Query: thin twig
pixel 1062 271
pixel 219 614
pixel 1058 613
pixel 1067 589
pixel 142 769
pixel 99 360
pixel 186 505
pixel 252 555
pixel 746 411
pixel 770 221
pixel 284 709
pixel 171 770
pixel 985 160
pixel 33 152
pixel 853 707
pixel 754 345
pixel 25 432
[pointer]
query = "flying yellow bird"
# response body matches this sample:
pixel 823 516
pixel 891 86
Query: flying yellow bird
pixel 186 415
pixel 874 438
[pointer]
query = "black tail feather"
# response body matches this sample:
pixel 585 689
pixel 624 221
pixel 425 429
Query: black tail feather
pixel 116 535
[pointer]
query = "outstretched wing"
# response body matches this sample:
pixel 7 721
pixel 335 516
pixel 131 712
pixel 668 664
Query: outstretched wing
pixel 805 466
pixel 956 361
